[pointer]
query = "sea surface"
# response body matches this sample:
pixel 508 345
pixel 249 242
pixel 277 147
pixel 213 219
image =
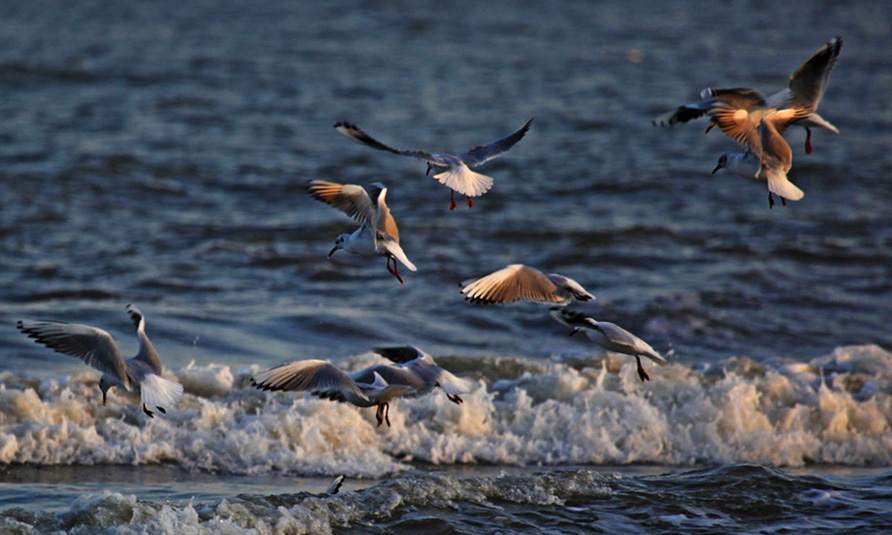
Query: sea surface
pixel 156 153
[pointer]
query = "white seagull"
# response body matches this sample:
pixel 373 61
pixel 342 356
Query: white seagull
pixel 739 111
pixel 609 336
pixel 324 380
pixel 518 282
pixel 417 369
pixel 377 233
pixel 458 175
pixel 98 349
pixel 768 157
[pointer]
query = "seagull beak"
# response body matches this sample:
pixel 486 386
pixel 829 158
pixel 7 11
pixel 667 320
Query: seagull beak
pixel 429 167
pixel 334 249
pixel 716 169
pixel 574 331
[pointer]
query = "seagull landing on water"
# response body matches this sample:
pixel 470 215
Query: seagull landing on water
pixel 768 157
pixel 458 175
pixel 518 282
pixel 325 381
pixel 98 349
pixel 739 111
pixel 417 369
pixel 377 233
pixel 609 336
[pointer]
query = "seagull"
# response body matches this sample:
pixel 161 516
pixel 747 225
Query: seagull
pixel 98 349
pixel 458 175
pixel 325 381
pixel 417 369
pixel 609 336
pixel 768 157
pixel 739 111
pixel 377 233
pixel 518 282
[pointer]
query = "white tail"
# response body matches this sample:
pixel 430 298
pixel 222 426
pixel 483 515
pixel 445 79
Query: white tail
pixel 461 179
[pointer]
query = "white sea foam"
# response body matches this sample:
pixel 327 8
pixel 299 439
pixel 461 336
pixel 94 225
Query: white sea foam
pixel 833 409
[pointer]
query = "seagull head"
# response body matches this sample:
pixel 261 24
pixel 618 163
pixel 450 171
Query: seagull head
pixel 339 244
pixel 723 162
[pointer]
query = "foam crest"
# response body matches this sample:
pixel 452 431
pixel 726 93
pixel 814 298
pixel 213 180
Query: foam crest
pixel 834 409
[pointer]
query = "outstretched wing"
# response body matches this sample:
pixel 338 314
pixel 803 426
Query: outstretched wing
pixel 483 153
pixel 513 283
pixel 348 198
pixel 315 376
pixel 93 346
pixel 356 134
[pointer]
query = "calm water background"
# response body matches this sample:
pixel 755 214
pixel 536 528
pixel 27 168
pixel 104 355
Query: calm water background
pixel 155 153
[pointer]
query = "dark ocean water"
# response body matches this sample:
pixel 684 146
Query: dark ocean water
pixel 156 153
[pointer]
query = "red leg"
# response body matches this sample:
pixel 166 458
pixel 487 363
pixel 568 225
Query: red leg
pixel 783 201
pixel 770 201
pixel 455 399
pixel 641 373
pixel 710 127
pixel 452 204
pixel 470 203
pixel 387 413
pixel 395 271
pixel 808 140
pixel 149 413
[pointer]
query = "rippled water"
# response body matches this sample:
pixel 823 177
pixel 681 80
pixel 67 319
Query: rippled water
pixel 155 153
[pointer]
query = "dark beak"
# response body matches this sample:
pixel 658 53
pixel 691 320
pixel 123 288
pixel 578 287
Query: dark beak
pixel 332 251
pixel 716 169
pixel 429 167
pixel 574 331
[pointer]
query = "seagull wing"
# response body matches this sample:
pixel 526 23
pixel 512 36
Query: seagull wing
pixel 93 346
pixel 348 198
pixel 512 283
pixel 808 82
pixel 483 153
pixel 315 376
pixel 356 134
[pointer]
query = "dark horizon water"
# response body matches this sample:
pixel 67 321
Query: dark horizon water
pixel 155 153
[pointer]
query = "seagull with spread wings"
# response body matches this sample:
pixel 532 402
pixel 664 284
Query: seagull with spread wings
pixel 98 349
pixel 458 175
pixel 377 233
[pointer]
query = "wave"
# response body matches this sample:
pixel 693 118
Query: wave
pixel 569 410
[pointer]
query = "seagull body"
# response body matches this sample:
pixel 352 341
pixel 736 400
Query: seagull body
pixel 377 233
pixel 326 381
pixel 518 282
pixel 417 369
pixel 738 112
pixel 458 175
pixel 611 337
pixel 98 349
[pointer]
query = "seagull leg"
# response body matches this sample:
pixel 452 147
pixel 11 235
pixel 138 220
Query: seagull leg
pixel 710 127
pixel 429 168
pixel 808 140
pixel 379 415
pixel 387 413
pixel 455 399
pixel 161 410
pixel 783 201
pixel 104 397
pixel 452 204
pixel 149 413
pixel 395 270
pixel 470 202
pixel 641 373
pixel 770 201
